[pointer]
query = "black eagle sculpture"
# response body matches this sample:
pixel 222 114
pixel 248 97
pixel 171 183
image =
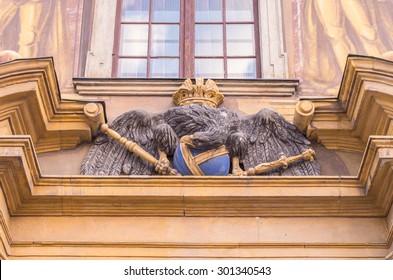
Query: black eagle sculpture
pixel 260 140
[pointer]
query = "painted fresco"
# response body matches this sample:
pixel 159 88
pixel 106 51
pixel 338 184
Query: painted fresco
pixel 332 29
pixel 37 28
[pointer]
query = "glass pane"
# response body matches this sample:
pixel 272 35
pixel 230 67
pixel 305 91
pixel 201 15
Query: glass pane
pixel 209 68
pixel 135 10
pixel 239 10
pixel 242 68
pixel 166 10
pixel 132 68
pixel 164 68
pixel 165 40
pixel 208 11
pixel 240 40
pixel 208 40
pixel 133 39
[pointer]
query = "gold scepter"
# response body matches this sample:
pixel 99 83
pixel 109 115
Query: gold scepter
pixel 282 162
pixel 135 148
pixel 94 114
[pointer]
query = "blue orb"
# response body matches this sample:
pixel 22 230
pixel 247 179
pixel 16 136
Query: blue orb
pixel 189 161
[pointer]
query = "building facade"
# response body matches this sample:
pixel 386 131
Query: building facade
pixel 325 66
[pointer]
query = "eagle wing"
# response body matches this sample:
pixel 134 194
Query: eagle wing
pixel 109 157
pixel 270 136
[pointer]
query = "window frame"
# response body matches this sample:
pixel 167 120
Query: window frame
pixel 224 23
pixel 187 54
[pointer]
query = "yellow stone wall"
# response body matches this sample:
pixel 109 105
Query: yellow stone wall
pixel 48 211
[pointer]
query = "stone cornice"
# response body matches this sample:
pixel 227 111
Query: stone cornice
pixel 29 192
pixel 30 104
pixel 166 87
pixel 364 106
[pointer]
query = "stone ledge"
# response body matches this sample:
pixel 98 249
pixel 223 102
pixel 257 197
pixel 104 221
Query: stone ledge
pixel 166 87
pixel 29 192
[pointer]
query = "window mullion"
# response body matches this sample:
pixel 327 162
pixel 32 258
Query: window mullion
pixel 149 38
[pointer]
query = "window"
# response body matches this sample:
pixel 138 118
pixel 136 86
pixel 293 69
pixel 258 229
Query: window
pixel 187 38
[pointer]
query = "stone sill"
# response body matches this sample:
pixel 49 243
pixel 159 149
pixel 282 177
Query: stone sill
pixel 166 87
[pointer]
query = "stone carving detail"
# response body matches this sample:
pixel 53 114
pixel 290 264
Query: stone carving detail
pixel 199 93
pixel 203 140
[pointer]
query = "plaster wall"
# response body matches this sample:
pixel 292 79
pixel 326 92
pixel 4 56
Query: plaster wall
pixel 147 237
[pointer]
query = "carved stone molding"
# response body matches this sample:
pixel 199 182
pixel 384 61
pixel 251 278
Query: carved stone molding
pixel 29 192
pixel 364 106
pixel 166 87
pixel 30 104
pixel 161 217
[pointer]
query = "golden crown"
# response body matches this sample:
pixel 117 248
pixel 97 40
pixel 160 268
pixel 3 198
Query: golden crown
pixel 199 93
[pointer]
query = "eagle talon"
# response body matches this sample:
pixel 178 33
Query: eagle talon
pixel 162 166
pixel 238 172
pixel 236 169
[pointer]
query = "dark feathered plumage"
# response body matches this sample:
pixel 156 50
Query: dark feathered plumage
pixel 165 138
pixel 108 157
pixel 237 145
pixel 269 137
pixel 210 127
pixel 263 137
